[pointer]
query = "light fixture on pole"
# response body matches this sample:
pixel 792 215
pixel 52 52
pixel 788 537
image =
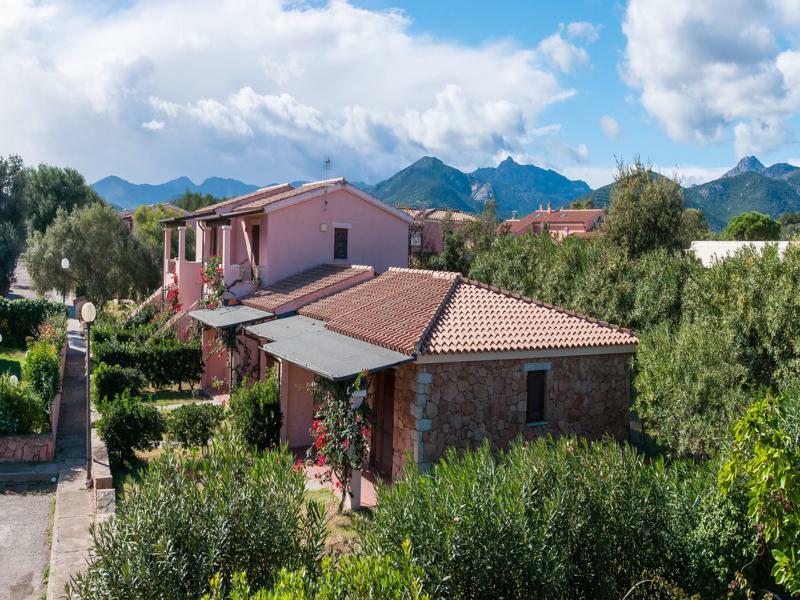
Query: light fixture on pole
pixel 64 266
pixel 88 314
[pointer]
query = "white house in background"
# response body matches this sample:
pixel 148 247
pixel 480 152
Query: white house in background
pixel 710 252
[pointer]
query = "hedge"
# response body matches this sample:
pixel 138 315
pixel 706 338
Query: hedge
pixel 110 380
pixel 165 363
pixel 41 370
pixel 20 408
pixel 20 318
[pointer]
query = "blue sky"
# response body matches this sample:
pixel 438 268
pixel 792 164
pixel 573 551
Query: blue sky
pixel 264 90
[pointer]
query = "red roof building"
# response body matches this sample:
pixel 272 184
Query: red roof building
pixel 557 222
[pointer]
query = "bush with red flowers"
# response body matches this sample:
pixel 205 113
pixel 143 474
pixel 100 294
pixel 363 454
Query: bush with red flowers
pixel 172 295
pixel 213 283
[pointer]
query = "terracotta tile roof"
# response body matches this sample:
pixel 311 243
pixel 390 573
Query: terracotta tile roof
pixel 291 192
pixel 306 283
pixel 439 214
pixel 258 194
pixel 394 310
pixel 431 312
pixel 585 218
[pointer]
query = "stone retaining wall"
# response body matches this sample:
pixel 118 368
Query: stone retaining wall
pixel 33 447
pixel 462 404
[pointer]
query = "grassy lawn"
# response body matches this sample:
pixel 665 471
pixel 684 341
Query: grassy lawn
pixel 341 527
pixel 172 395
pixel 11 360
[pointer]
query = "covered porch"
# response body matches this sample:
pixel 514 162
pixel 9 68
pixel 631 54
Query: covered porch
pixel 303 349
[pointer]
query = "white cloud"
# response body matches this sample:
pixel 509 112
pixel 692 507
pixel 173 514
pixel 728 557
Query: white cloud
pixel 153 125
pixel 688 175
pixel 265 90
pixel 706 69
pixel 609 126
pixel 562 51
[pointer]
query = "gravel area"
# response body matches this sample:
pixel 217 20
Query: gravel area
pixel 25 514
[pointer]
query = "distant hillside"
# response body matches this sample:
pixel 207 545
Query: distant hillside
pixel 125 194
pixel 430 183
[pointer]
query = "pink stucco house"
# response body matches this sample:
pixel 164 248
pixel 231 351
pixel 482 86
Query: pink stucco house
pixel 559 222
pixel 271 235
pixel 426 234
pixel 452 362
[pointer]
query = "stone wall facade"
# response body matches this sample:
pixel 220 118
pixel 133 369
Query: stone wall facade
pixel 27 448
pixel 461 404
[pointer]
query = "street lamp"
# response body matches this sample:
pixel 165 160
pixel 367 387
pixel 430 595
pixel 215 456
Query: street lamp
pixel 65 266
pixel 88 314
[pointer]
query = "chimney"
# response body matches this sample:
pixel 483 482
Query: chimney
pixel 513 215
pixel 541 207
pixel 549 207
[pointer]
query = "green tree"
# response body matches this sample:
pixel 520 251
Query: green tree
pixel 766 458
pixel 752 226
pixel 106 261
pixel 646 210
pixel 50 188
pixel 193 201
pixel 693 227
pixel 12 217
pixel 790 225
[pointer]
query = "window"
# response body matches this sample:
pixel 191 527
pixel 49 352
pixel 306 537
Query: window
pixel 340 244
pixel 213 241
pixel 536 391
pixel 255 243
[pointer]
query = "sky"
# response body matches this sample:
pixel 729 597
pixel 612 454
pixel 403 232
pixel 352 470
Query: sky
pixel 265 91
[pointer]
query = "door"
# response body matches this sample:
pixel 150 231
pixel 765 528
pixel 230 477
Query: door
pixel 383 429
pixel 255 245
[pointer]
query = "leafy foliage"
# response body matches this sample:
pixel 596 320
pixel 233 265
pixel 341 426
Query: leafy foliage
pixel 194 424
pixel 193 516
pixel 165 362
pixel 256 411
pixel 193 201
pixel 564 519
pixel 646 210
pixel 20 408
pixel 106 261
pixel 766 457
pixel 129 424
pixel 149 233
pixel 752 226
pixel 20 319
pixel 108 381
pixel 12 217
pixel 41 370
pixel 50 189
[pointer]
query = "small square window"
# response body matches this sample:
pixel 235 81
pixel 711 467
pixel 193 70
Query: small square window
pixel 340 244
pixel 536 392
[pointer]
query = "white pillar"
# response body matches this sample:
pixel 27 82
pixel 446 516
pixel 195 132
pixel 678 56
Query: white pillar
pixel 227 274
pixel 199 242
pixel 182 243
pixel 167 254
pixel 353 502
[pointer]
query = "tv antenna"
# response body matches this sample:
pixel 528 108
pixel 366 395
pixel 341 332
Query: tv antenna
pixel 327 167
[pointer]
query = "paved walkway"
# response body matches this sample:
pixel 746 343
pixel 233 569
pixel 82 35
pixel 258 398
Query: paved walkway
pixel 74 513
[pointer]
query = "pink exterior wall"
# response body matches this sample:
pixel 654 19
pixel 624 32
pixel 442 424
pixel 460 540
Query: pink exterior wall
pixel 295 241
pixel 216 363
pixel 297 405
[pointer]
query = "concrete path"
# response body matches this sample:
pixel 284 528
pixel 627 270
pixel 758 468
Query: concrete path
pixel 74 513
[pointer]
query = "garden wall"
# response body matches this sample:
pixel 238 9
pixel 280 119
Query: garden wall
pixel 36 447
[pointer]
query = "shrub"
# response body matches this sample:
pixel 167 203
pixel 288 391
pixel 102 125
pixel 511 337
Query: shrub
pixel 190 517
pixel 129 424
pixel 194 424
pixel 366 577
pixel 111 380
pixel 21 318
pixel 53 330
pixel 20 408
pixel 41 370
pixel 164 363
pixel 564 519
pixel 256 411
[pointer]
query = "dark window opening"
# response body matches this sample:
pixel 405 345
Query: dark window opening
pixel 213 241
pixel 536 391
pixel 255 243
pixel 340 244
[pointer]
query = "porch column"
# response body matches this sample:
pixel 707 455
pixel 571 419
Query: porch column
pixel 181 243
pixel 283 383
pixel 167 252
pixel 354 502
pixel 227 274
pixel 199 242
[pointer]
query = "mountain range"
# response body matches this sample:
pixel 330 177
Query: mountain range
pixel 516 188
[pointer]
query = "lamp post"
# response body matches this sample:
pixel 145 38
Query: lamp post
pixel 88 314
pixel 64 266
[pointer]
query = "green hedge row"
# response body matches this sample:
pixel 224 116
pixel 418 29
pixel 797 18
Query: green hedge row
pixel 165 363
pixel 20 318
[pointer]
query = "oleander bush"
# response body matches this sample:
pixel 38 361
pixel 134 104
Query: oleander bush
pixel 109 381
pixel 20 408
pixel 194 424
pixel 129 424
pixel 41 370
pixel 256 411
pixel 191 516
pixel 562 519
pixel 20 319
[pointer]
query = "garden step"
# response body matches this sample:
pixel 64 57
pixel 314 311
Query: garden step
pixel 14 473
